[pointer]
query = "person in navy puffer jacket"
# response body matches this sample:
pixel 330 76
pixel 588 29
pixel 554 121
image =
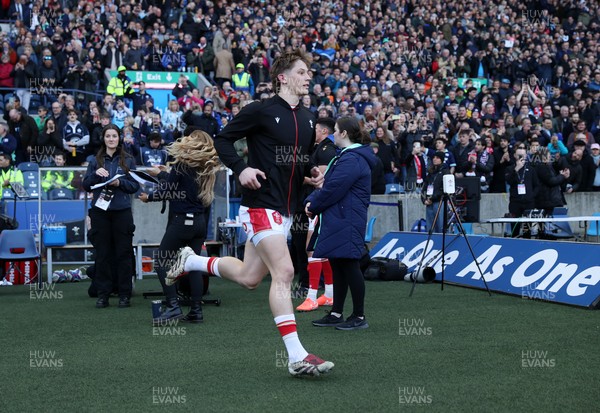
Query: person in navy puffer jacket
pixel 342 204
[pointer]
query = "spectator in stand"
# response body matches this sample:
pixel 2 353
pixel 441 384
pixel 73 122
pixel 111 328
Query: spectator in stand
pixel 155 126
pixel 387 153
pixel 75 137
pixel 120 113
pixel 134 58
pixel 462 152
pixel 50 138
pixel 112 58
pixel 549 194
pixel 190 98
pixel 173 60
pixel 482 164
pixel 131 143
pixel 224 65
pixel 596 158
pixel 172 115
pixel 588 168
pixel 416 168
pixel 206 121
pixel 154 154
pixel 182 87
pixel 203 58
pixel 140 97
pixel 556 147
pixel 503 158
pixel 41 118
pixel 7 82
pixel 8 143
pixel 25 131
pixel 83 78
pixel 23 72
pixel 580 128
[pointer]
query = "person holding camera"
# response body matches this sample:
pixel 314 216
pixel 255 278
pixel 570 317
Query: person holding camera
pixel 120 112
pixel 524 186
pixel 259 70
pixel 23 72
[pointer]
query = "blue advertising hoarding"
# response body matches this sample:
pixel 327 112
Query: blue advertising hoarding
pixel 562 272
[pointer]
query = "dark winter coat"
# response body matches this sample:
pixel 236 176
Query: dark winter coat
pixel 343 203
pixel 549 193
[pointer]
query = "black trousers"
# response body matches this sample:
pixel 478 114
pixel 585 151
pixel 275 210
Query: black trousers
pixel 299 231
pixel 347 273
pixel 516 209
pixel 181 231
pixel 112 237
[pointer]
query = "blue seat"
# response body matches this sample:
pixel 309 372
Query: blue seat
pixel 19 245
pixel 369 232
pixel 594 226
pixel 28 166
pixel 7 194
pixel 31 184
pixel 394 189
pixel 60 193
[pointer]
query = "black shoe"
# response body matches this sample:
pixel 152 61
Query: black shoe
pixel 124 302
pixel 328 321
pixel 195 314
pixel 102 302
pixel 353 323
pixel 172 312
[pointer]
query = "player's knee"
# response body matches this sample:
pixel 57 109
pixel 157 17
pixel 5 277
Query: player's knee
pixel 284 275
pixel 251 284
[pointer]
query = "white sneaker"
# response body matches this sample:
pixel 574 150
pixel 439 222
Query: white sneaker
pixel 177 270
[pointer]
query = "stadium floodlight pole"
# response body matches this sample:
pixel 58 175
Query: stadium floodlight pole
pixel 446 200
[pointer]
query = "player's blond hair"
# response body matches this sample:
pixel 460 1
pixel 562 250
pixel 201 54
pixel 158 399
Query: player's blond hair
pixel 197 151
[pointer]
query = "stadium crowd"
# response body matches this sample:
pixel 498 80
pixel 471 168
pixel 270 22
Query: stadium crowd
pixel 472 80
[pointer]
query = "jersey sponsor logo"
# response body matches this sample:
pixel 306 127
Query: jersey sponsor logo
pixel 277 218
pixel 311 124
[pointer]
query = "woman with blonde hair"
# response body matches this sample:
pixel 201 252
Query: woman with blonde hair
pixel 172 116
pixel 189 187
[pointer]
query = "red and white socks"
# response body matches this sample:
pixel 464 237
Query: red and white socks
pixel 286 324
pixel 209 265
pixel 328 278
pixel 314 275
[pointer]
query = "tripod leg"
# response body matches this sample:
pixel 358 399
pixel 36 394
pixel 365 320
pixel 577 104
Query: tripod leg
pixel 425 250
pixel 464 234
pixel 445 202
